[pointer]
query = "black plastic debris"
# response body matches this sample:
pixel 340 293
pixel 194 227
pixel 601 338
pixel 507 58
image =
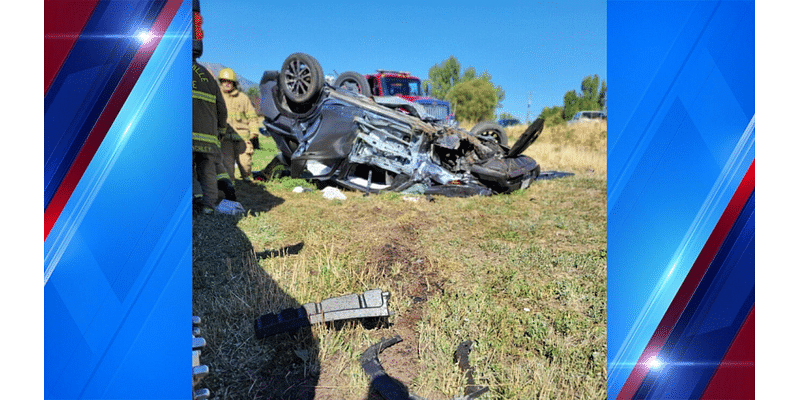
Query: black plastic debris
pixel 547 175
pixel 391 389
pixel 372 303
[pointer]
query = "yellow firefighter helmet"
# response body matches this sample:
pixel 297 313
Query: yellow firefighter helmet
pixel 228 75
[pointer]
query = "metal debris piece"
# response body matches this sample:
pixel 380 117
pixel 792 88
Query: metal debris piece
pixel 390 389
pixel 373 303
pixel 201 394
pixel 198 343
pixel 199 371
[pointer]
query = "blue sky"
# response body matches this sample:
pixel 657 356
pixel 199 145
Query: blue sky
pixel 545 47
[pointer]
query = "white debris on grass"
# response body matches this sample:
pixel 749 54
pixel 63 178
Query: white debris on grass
pixel 411 199
pixel 332 193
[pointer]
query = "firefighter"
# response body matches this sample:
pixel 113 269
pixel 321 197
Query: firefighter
pixel 224 181
pixel 209 116
pixel 243 120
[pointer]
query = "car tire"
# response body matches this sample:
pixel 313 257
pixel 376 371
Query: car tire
pixel 491 129
pixel 301 78
pixel 354 82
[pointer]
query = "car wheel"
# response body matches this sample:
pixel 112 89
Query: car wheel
pixel 491 129
pixel 301 78
pixel 354 82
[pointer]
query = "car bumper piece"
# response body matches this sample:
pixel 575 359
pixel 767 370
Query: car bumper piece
pixel 372 303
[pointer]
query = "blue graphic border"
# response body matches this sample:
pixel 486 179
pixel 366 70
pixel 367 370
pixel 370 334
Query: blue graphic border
pixel 681 137
pixel 117 293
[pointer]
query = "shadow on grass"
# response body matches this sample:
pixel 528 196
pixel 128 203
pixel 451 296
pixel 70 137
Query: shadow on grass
pixel 230 290
pixel 292 250
pixel 255 198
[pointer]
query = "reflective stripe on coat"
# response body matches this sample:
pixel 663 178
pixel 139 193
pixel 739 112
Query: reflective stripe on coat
pixel 209 113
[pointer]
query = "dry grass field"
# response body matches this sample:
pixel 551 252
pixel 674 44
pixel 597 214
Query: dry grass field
pixel 523 275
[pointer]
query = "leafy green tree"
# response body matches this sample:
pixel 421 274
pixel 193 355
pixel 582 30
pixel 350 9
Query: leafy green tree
pixel 443 76
pixel 552 115
pixel 469 74
pixel 446 76
pixel 589 87
pixel 571 104
pixel 474 100
pixel 252 92
pixel 505 115
pixel 601 99
pixel 592 97
pixel 501 94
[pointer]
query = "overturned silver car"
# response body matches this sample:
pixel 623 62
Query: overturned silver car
pixel 373 144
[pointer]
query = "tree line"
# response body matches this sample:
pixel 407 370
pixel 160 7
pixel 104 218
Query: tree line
pixel 591 98
pixel 476 98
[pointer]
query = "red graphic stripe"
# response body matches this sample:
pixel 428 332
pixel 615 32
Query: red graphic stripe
pixel 735 377
pixel 63 23
pixel 689 285
pixel 107 117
